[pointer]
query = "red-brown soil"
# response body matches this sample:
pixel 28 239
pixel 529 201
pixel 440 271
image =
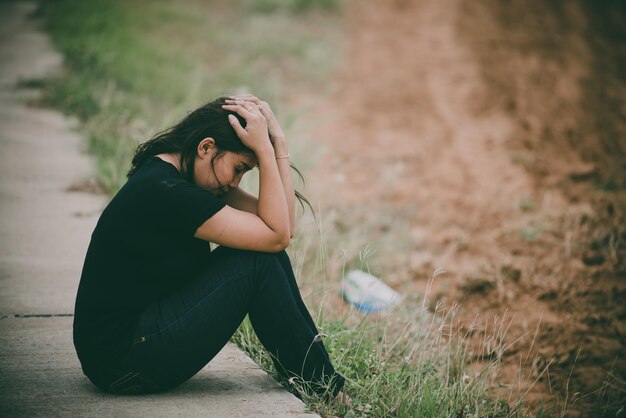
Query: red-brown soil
pixel 495 133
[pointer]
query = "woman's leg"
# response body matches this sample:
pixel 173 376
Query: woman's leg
pixel 305 361
pixel 180 334
pixel 284 261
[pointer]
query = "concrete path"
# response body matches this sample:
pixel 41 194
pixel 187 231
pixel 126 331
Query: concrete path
pixel 45 230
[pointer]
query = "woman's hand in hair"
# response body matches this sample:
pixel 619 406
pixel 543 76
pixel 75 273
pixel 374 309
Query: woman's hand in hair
pixel 255 134
pixel 275 131
pixel 277 137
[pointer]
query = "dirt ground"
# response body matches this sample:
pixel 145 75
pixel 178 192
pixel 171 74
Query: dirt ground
pixel 495 133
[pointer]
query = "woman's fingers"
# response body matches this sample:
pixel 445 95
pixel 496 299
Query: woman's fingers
pixel 240 101
pixel 248 97
pixel 263 106
pixel 246 111
pixel 234 122
pixel 253 105
pixel 274 129
pixel 255 132
pixel 244 103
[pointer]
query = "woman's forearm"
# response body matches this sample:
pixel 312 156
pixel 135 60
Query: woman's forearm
pixel 272 207
pixel 284 169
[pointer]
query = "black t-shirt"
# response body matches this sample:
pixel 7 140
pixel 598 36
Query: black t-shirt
pixel 141 249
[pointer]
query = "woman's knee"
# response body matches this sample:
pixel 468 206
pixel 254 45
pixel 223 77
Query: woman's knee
pixel 268 260
pixel 235 255
pixel 259 261
pixel 270 268
pixel 283 257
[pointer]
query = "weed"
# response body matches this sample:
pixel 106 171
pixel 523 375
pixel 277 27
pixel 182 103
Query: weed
pixel 531 233
pixel 527 204
pixel 407 362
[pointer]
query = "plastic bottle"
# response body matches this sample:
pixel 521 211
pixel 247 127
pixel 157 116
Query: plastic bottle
pixel 368 293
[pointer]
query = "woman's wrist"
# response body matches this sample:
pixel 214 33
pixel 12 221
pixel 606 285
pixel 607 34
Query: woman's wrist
pixel 265 152
pixel 280 148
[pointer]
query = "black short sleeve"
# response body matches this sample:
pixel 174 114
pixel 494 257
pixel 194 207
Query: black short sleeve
pixel 185 206
pixel 142 249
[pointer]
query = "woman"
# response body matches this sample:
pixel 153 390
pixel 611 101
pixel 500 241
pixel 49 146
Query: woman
pixel 154 304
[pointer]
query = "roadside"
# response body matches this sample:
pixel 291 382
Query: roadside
pixel 47 219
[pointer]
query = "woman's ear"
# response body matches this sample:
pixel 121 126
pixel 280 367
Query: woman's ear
pixel 205 146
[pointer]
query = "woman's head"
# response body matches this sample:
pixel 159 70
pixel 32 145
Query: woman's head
pixel 218 170
pixel 184 139
pixel 211 155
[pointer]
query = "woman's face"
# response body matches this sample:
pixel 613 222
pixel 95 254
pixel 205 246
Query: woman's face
pixel 224 173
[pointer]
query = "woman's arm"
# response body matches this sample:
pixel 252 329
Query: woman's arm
pixel 268 230
pixel 277 138
pixel 242 200
pixel 272 207
pixel 280 149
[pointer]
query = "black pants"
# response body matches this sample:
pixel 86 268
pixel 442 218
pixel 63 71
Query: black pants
pixel 180 334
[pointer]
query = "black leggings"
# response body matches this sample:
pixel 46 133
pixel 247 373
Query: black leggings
pixel 177 336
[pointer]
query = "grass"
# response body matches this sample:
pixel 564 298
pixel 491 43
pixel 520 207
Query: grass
pixel 408 362
pixel 412 361
pixel 133 68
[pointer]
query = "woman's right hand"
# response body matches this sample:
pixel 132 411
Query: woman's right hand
pixel 268 230
pixel 255 135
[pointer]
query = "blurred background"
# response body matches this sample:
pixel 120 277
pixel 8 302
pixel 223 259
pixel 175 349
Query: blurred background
pixel 485 138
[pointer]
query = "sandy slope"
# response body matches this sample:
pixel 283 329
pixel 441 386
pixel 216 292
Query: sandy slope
pixel 445 117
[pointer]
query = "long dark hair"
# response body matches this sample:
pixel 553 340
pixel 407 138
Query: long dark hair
pixel 209 120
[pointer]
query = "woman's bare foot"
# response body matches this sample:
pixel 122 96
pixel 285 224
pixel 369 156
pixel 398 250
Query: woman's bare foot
pixel 343 399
